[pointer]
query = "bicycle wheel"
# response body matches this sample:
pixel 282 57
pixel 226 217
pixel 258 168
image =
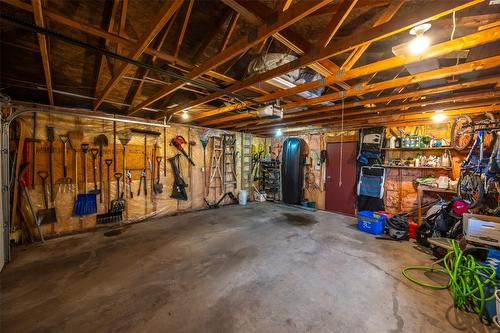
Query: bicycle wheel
pixel 471 189
pixel 489 122
pixel 460 138
pixel 492 194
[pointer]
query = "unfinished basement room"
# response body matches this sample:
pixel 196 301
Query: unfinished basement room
pixel 260 166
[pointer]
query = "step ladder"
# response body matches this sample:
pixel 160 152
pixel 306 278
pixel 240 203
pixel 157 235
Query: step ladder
pixel 246 162
pixel 216 181
pixel 229 162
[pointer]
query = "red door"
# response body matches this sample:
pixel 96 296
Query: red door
pixel 341 198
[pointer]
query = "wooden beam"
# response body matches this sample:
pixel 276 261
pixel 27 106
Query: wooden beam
pixel 336 21
pixel 283 5
pixel 121 24
pixel 183 29
pixel 103 59
pixel 326 109
pixel 472 40
pixel 44 50
pixel 362 112
pixel 255 11
pixel 283 20
pixel 402 81
pixel 419 115
pixel 164 15
pixel 229 31
pixel 383 31
pixel 159 45
pixel 386 16
pixel 210 35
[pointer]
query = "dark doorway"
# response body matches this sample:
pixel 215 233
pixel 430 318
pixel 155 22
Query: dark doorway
pixel 341 198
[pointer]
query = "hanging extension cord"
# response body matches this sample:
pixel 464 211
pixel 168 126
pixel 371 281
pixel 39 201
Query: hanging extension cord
pixel 465 284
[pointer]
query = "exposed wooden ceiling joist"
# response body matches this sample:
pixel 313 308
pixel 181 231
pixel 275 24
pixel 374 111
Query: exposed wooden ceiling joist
pixel 427 104
pixel 103 60
pixel 326 109
pixel 229 31
pixel 183 29
pixel 283 20
pixel 467 108
pixel 44 49
pixel 164 15
pixel 374 34
pixel 336 21
pixel 386 16
pixel 478 38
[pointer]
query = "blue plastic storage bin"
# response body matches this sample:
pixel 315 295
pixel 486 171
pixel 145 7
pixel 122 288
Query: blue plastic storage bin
pixel 371 222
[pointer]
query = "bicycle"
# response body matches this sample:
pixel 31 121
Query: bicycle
pixel 479 176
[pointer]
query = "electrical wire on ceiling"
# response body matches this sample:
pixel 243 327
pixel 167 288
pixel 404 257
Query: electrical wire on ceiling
pixel 49 33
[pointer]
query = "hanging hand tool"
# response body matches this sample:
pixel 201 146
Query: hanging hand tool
pixel 151 172
pixel 158 187
pixel 124 137
pixel 165 151
pixel 142 180
pixel 46 215
pixel 118 205
pixel 179 186
pixel 51 138
pixel 75 141
pixel 102 141
pixel 108 162
pixel 129 182
pixel 95 152
pixel 65 180
pixel 23 186
pixel 86 203
pixel 177 142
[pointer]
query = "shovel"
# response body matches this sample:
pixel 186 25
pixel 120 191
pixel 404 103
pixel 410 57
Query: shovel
pixel 102 141
pixel 158 187
pixel 117 206
pixel 94 152
pixel 65 181
pixel 46 215
pixel 75 141
pixel 85 203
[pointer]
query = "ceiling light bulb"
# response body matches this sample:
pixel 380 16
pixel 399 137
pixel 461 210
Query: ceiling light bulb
pixel 279 132
pixel 438 117
pixel 185 115
pixel 419 44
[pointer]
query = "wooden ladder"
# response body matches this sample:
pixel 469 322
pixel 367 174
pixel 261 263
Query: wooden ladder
pixel 229 162
pixel 215 181
pixel 246 162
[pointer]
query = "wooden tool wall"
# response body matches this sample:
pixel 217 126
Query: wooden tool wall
pixel 138 207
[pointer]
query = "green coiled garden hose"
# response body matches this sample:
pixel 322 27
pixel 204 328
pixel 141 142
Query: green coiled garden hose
pixel 467 279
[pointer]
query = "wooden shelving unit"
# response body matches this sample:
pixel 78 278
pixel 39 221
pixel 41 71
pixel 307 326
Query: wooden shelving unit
pixel 414 167
pixel 418 149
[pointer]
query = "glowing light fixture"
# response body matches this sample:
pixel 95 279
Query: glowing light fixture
pixel 421 42
pixel 185 115
pixel 438 117
pixel 279 132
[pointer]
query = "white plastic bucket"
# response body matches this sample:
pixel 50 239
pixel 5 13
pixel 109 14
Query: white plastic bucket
pixel 243 197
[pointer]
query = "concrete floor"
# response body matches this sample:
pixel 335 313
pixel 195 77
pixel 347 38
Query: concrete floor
pixel 260 268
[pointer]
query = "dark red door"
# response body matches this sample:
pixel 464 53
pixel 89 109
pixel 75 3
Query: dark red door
pixel 340 198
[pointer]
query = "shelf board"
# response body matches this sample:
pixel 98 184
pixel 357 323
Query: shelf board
pixel 417 149
pixel 413 167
